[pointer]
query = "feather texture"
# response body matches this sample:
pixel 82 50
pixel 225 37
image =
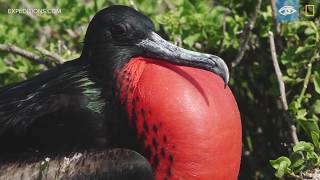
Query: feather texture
pixel 58 100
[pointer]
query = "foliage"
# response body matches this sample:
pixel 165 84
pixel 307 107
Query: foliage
pixel 302 158
pixel 217 27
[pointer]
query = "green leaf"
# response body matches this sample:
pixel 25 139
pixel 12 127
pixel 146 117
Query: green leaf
pixel 315 139
pixel 303 146
pixel 309 125
pixel 312 157
pixel 316 82
pixel 309 31
pixel 301 114
pixel 316 106
pixel 190 40
pixel 298 162
pixel 3 67
pixel 282 165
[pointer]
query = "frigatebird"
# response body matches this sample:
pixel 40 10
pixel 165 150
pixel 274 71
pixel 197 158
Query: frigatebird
pixel 129 89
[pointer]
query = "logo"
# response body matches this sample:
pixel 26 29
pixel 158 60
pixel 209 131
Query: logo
pixel 309 10
pixel 287 10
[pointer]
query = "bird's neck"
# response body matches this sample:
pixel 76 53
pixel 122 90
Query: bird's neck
pixel 184 129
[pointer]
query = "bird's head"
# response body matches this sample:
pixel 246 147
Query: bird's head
pixel 181 116
pixel 118 33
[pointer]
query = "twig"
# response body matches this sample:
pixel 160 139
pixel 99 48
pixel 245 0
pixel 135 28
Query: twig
pixel 277 25
pixel 305 82
pixel 226 12
pixel 44 34
pixel 281 86
pixel 72 33
pixel 24 53
pixel 58 59
pixel 178 41
pixel 247 35
pixel 274 15
pixel 170 5
pixel 278 71
pixel 133 4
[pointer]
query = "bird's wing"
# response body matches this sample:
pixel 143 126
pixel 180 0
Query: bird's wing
pixel 112 164
pixel 65 86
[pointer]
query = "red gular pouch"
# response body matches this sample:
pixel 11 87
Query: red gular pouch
pixel 187 120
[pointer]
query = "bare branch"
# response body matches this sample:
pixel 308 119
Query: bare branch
pixel 274 15
pixel 58 59
pixel 247 35
pixel 277 25
pixel 72 33
pixel 281 86
pixel 32 56
pixel 226 12
pixel 44 34
pixel 133 4
pixel 24 53
pixel 278 71
pixel 170 5
pixel 305 83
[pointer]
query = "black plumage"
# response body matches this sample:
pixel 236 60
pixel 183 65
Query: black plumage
pixel 75 106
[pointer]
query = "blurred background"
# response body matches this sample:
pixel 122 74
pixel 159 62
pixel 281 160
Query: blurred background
pixel 280 133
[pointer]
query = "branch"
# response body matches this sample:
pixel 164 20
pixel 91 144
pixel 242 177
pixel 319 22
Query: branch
pixel 282 86
pixel 24 53
pixel 247 35
pixel 57 59
pixel 277 25
pixel 133 4
pixel 305 83
pixel 226 13
pixel 278 72
pixel 33 57
pixel 170 5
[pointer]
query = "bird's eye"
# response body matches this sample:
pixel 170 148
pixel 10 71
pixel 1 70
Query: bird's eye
pixel 119 29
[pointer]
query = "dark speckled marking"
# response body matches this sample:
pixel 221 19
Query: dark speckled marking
pixel 126 90
pixel 171 158
pixel 142 138
pixel 165 139
pixel 163 152
pixel 166 178
pixel 145 126
pixel 134 102
pixel 155 128
pixel 122 77
pixel 148 151
pixel 155 143
pixel 169 171
pixel 156 161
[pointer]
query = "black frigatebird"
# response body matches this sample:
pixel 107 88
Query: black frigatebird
pixel 129 89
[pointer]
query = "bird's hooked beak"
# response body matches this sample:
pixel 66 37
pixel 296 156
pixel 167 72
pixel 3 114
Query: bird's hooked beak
pixel 155 46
